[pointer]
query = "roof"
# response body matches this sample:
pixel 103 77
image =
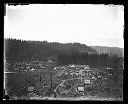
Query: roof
pixel 33 69
pixel 80 88
pixel 79 66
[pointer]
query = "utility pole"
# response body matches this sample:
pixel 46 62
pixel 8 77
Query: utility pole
pixel 81 71
pixel 51 76
pixel 81 77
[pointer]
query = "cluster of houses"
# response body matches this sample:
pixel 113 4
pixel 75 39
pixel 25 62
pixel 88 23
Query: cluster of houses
pixel 28 66
pixel 78 71
pixel 83 72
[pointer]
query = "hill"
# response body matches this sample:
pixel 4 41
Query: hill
pixel 110 50
pixel 40 50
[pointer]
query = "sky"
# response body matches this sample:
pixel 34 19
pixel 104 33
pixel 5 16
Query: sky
pixel 93 25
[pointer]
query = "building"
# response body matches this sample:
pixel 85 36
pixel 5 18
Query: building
pixel 30 88
pixel 33 69
pixel 71 65
pixel 87 81
pixel 86 67
pixel 83 66
pixel 80 88
pixel 78 84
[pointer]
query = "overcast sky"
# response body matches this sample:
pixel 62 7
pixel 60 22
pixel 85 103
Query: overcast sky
pixel 96 25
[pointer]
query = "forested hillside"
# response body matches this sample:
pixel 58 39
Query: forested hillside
pixel 18 50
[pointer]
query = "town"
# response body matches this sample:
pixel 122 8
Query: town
pixel 46 79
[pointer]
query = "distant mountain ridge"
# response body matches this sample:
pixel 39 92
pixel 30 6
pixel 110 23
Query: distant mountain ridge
pixel 110 50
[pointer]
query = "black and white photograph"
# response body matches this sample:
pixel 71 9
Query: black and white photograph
pixel 69 52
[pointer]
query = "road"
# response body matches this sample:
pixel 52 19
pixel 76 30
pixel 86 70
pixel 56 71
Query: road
pixel 61 84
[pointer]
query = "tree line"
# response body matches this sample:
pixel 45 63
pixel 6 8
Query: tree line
pixel 94 60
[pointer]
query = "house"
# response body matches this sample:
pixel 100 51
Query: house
pixel 78 84
pixel 54 68
pixel 86 67
pixel 80 88
pixel 83 66
pixel 72 66
pixel 30 88
pixel 87 81
pixel 33 69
